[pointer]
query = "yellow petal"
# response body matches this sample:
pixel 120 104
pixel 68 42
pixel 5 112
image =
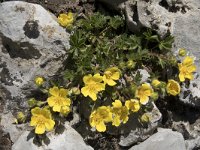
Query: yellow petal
pixel 87 78
pixel 127 104
pixel 49 124
pixel 192 68
pixel 188 60
pixel 92 120
pixel 117 104
pixel 101 127
pixel 116 76
pixel 189 76
pixel 144 100
pixel 93 96
pixel 110 82
pixel 148 92
pixel 181 77
pixel 56 108
pixel 99 87
pixel 40 129
pixel 51 101
pixel 63 92
pixel 54 91
pixel 35 111
pixel 33 121
pixel 66 102
pixel 97 77
pixel 85 91
pixel 116 121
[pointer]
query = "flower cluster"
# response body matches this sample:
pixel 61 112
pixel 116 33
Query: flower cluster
pixel 96 83
pixel 116 114
pixel 42 118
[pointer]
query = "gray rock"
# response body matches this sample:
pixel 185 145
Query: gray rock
pixel 191 133
pixel 164 139
pixel 33 44
pixel 8 126
pixel 134 132
pixel 68 140
pixel 187 35
pixel 193 144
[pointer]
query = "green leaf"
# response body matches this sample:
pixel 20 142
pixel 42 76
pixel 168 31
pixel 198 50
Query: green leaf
pixel 77 39
pixel 148 36
pixel 116 22
pixel 166 44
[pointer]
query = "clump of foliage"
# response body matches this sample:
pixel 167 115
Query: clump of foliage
pixel 103 68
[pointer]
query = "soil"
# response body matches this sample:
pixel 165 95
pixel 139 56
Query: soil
pixel 60 6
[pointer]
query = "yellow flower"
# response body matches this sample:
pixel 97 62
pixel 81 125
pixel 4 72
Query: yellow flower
pixel 42 120
pixel 143 93
pixel 182 52
pixel 173 87
pixel 155 83
pixel 58 98
pixel 110 75
pixel 92 86
pixel 99 117
pixel 132 105
pixel 66 20
pixel 65 110
pixel 39 81
pixel 186 69
pixel 120 113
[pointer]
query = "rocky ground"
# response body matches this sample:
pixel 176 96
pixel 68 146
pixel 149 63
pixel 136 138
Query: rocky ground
pixel 176 122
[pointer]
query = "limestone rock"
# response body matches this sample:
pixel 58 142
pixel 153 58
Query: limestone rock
pixel 187 35
pixel 164 139
pixel 134 132
pixel 8 126
pixel 193 144
pixel 68 140
pixel 32 44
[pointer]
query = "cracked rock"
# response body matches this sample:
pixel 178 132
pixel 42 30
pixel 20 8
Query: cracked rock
pixel 32 44
pixel 134 132
pixel 68 140
pixel 164 139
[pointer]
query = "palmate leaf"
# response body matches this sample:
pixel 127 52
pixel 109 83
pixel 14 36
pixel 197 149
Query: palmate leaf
pixel 77 39
pixel 116 22
pixel 150 37
pixel 166 44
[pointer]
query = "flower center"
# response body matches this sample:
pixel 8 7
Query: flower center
pixel 108 74
pixel 41 119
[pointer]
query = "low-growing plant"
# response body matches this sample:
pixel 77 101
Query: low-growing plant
pixel 103 67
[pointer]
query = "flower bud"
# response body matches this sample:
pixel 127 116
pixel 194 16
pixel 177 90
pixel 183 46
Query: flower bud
pixel 76 91
pixel 155 83
pixel 182 52
pixel 21 117
pixel 131 64
pixel 32 102
pixel 39 81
